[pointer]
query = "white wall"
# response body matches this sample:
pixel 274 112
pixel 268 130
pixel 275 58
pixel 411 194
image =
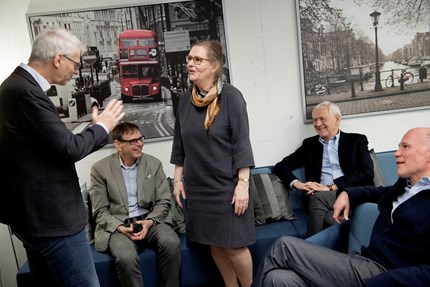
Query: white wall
pixel 15 48
pixel 263 53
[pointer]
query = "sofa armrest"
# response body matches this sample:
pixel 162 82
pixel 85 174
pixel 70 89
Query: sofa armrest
pixel 363 218
pixel 349 236
pixel 335 237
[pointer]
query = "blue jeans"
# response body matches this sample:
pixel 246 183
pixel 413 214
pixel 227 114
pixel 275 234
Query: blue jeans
pixel 60 261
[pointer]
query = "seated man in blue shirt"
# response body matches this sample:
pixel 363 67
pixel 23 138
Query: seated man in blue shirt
pixel 332 159
pixel 131 202
pixel 398 253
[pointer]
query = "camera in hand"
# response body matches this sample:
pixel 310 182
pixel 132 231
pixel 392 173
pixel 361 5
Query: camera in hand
pixel 137 227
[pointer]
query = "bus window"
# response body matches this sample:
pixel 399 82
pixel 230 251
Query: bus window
pixel 146 42
pixel 148 71
pixel 129 71
pixel 128 42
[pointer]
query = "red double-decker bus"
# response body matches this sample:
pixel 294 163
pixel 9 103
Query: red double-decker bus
pixel 139 66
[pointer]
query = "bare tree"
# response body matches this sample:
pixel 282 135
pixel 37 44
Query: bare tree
pixel 404 15
pixel 317 10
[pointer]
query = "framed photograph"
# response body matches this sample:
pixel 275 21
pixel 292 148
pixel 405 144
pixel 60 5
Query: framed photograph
pixel 364 56
pixel 136 54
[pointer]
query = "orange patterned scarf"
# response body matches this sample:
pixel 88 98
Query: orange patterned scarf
pixel 210 100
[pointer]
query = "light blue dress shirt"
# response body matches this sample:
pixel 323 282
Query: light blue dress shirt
pixel 411 190
pixel 330 162
pixel 130 179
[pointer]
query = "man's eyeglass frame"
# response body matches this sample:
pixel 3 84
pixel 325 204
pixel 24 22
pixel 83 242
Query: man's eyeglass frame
pixel 133 141
pixel 77 65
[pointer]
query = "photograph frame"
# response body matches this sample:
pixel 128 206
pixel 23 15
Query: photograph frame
pixel 176 24
pixel 352 84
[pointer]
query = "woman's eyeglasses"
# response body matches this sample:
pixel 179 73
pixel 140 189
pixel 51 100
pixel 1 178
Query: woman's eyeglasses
pixel 196 60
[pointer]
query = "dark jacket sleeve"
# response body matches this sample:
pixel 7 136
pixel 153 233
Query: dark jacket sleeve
pixel 414 276
pixel 399 239
pixel 284 168
pixel 355 161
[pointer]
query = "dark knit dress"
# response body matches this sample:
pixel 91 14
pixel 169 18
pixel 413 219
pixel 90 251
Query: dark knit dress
pixel 210 161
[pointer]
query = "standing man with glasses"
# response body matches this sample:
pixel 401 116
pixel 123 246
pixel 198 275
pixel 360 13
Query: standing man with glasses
pixel 77 64
pixel 40 195
pixel 131 202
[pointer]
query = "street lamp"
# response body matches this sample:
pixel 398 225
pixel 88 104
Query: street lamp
pixel 375 20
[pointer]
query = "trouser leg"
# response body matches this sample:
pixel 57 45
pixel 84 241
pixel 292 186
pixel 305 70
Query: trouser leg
pixel 127 261
pixel 277 278
pixel 314 264
pixel 320 204
pixel 162 238
pixel 64 261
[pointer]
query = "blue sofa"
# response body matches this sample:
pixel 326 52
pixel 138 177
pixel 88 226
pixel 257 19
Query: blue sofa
pixel 198 268
pixel 350 235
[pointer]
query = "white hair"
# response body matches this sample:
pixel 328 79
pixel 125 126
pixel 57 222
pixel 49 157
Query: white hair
pixel 52 41
pixel 333 109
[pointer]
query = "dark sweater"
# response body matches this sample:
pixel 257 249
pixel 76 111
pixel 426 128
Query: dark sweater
pixel 403 247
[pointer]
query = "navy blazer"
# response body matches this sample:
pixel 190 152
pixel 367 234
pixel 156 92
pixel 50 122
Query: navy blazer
pixel 354 159
pixel 403 244
pixel 40 194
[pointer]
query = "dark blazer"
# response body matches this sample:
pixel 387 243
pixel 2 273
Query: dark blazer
pixel 109 195
pixel 403 247
pixel 354 159
pixel 40 193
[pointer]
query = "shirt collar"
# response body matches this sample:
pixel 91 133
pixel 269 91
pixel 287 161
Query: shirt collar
pixel 127 167
pixel 43 83
pixel 335 139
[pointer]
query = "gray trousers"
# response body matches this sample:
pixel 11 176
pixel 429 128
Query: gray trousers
pixel 320 211
pixel 293 261
pixel 163 240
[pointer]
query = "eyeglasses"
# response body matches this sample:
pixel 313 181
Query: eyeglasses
pixel 197 60
pixel 133 141
pixel 77 65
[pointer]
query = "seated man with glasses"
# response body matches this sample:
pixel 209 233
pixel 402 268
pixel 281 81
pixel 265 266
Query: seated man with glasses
pixel 131 202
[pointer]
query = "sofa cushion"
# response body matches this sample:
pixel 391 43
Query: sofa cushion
pixel 378 178
pixel 178 219
pixel 260 216
pixel 91 224
pixel 387 161
pixel 270 198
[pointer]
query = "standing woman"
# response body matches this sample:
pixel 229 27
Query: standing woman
pixel 212 155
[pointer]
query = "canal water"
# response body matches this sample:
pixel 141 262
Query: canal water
pixel 385 70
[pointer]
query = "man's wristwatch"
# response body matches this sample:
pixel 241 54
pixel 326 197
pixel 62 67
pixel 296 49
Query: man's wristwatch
pixel 330 187
pixel 244 179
